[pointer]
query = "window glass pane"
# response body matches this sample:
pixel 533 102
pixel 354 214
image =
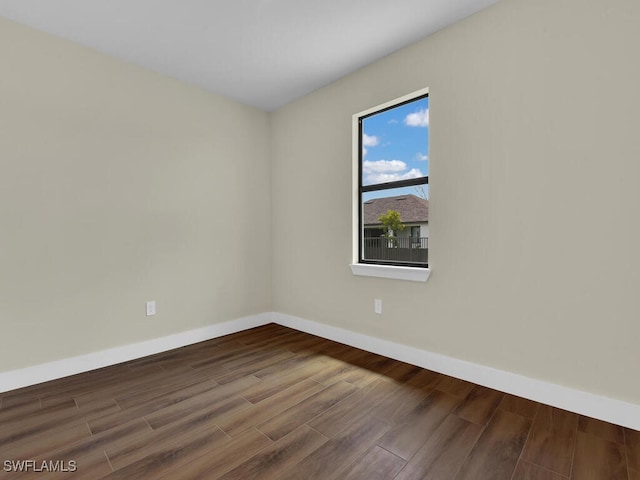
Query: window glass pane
pixel 395 143
pixel 396 225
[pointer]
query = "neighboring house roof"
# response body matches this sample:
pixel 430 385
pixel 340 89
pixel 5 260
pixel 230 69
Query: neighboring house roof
pixel 412 209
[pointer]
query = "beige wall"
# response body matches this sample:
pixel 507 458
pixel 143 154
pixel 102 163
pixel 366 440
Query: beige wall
pixel 119 186
pixel 534 140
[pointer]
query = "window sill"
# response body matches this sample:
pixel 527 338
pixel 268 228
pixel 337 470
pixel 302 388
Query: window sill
pixel 391 271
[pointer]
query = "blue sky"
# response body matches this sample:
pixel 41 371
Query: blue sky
pixel 396 147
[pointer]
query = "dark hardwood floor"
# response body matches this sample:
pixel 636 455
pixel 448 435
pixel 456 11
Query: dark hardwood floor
pixel 274 403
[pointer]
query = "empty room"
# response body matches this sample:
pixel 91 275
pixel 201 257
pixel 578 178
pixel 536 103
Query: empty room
pixel 259 239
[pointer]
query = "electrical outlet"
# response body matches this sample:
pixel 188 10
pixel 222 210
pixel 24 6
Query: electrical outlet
pixel 377 306
pixel 151 308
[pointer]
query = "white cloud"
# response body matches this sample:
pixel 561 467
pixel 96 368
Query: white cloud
pixel 413 173
pixel 369 140
pixel 382 171
pixel 383 166
pixel 418 119
pixel 422 157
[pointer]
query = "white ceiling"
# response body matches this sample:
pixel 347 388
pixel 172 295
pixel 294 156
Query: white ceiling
pixel 264 53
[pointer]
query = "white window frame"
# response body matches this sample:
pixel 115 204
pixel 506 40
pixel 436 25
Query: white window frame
pixel 411 273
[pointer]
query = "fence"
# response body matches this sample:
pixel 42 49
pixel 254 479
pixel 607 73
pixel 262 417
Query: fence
pixel 404 249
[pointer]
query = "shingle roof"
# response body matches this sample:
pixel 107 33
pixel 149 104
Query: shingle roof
pixel 411 208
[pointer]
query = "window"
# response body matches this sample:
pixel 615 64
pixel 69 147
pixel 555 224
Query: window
pixel 415 234
pixel 391 185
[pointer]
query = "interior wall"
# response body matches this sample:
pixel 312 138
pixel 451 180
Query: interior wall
pixel 534 205
pixel 118 186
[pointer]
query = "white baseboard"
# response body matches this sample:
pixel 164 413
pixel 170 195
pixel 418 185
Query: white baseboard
pixel 584 403
pixel 91 361
pixel 603 408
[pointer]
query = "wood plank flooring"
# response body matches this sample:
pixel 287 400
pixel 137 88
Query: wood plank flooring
pixel 274 403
